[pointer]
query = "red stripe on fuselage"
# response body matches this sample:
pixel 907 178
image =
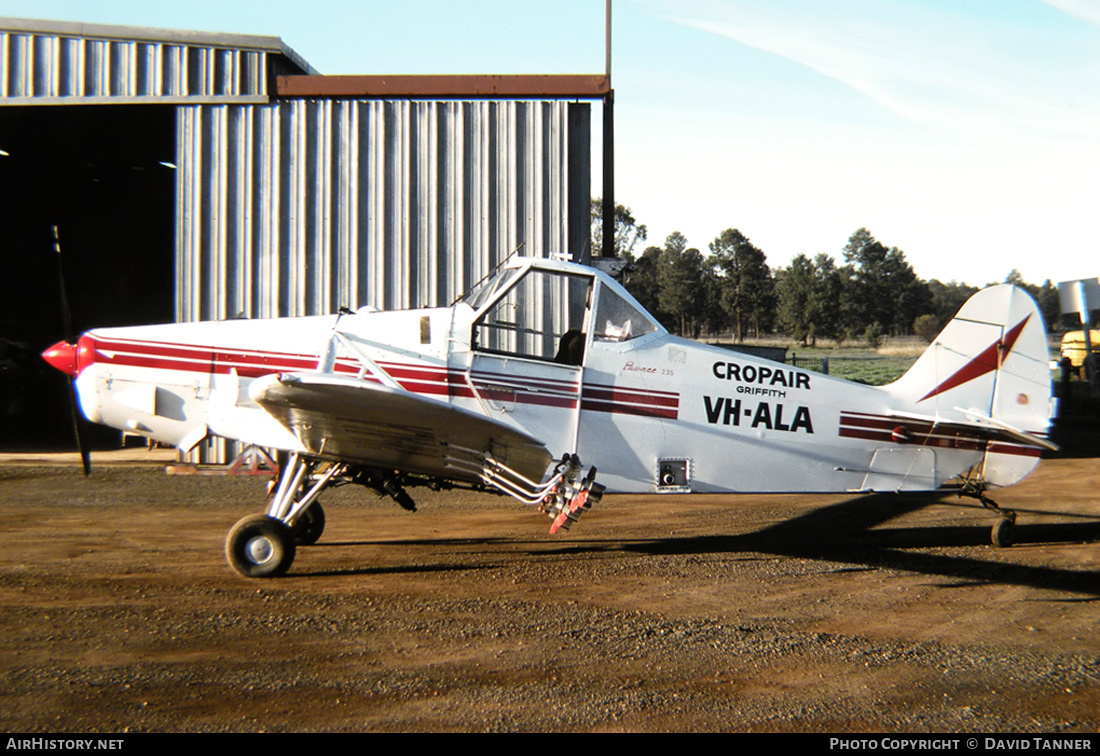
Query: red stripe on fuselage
pixel 630 396
pixel 879 428
pixel 419 379
pixel 629 409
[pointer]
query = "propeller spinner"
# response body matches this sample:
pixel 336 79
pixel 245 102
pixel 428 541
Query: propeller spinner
pixel 63 356
pixel 70 359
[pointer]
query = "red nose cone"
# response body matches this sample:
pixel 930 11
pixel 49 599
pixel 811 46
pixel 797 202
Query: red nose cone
pixel 62 356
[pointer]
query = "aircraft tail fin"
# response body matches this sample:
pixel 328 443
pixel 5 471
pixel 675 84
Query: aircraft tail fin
pixel 989 370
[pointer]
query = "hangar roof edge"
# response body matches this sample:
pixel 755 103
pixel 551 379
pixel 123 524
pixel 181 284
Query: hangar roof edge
pixel 145 34
pixel 450 86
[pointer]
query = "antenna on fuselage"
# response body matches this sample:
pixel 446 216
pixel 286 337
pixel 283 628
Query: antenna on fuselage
pixel 490 274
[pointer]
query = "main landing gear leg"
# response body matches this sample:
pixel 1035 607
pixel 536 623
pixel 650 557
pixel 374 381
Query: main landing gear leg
pixel 1002 534
pixel 264 545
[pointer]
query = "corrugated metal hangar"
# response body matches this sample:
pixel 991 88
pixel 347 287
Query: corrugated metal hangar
pixel 198 176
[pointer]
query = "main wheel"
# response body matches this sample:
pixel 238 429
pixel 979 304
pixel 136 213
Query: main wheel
pixel 260 546
pixel 1002 534
pixel 307 531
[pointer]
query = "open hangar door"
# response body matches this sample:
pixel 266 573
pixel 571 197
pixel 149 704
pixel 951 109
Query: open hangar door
pixel 104 175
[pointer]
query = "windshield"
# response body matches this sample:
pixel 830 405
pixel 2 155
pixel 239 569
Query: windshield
pixel 619 320
pixel 486 288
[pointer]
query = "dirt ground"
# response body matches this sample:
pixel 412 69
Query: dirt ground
pixel 878 613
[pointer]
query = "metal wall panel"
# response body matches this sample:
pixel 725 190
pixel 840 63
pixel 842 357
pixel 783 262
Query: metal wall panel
pixel 52 67
pixel 301 206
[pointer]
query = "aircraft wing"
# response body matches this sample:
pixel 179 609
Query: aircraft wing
pixel 978 421
pixel 357 421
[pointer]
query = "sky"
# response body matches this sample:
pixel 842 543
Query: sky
pixel 964 132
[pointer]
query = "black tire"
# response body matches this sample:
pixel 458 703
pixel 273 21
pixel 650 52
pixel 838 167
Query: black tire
pixel 1003 534
pixel 307 531
pixel 260 546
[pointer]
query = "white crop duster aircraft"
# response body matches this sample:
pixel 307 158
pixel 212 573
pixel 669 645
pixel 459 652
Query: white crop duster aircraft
pixel 546 363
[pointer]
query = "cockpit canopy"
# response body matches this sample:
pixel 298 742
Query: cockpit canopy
pixel 543 310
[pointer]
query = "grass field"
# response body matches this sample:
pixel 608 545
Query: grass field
pixel 863 366
pixel 855 361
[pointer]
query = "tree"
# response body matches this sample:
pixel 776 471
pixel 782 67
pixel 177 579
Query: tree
pixel 1046 296
pixel 947 298
pixel 871 295
pixel 811 298
pixel 641 279
pixel 927 327
pixel 873 335
pixel 628 232
pixel 1050 304
pixel 745 281
pixel 713 314
pixel 680 282
pixel 886 288
pixel 912 299
pixel 829 288
pixel 676 242
pixel 797 301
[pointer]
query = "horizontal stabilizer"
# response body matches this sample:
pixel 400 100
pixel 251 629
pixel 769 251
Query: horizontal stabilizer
pixel 991 428
pixel 1018 434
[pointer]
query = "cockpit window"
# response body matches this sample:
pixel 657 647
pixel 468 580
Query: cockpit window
pixel 543 316
pixel 619 320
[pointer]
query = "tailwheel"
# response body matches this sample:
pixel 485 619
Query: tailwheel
pixel 1003 533
pixel 310 525
pixel 260 546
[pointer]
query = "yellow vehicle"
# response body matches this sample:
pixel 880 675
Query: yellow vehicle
pixel 1073 346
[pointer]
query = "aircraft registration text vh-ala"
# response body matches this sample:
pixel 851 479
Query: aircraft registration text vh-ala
pixel 547 363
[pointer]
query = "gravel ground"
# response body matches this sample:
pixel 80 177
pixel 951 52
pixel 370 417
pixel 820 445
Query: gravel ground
pixel 673 613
